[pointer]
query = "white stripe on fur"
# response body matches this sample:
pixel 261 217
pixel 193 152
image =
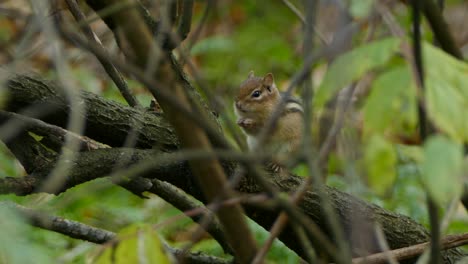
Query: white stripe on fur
pixel 294 107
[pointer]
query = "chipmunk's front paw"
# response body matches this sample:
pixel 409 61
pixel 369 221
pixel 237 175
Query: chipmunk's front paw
pixel 281 172
pixel 245 123
pixel 274 167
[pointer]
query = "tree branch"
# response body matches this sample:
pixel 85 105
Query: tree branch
pixel 113 73
pixel 400 231
pixel 106 121
pixel 181 201
pixel 441 29
pixel 55 134
pixel 61 225
pixel 400 254
pixel 85 232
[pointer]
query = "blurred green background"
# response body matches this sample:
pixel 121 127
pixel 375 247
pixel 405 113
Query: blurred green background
pixel 239 36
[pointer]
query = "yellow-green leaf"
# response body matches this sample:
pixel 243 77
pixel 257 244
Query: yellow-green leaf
pixel 361 8
pixel 352 65
pixel 442 168
pixel 447 92
pixel 410 153
pixel 380 161
pixel 137 244
pixel 391 103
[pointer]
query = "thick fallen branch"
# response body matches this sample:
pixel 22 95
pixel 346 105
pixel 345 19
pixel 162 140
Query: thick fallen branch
pixel 355 215
pixel 400 230
pixel 54 134
pixel 106 121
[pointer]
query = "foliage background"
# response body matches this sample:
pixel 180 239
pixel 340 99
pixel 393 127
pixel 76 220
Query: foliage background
pixel 238 36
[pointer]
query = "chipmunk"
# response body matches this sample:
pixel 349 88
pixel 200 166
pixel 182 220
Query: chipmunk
pixel 254 104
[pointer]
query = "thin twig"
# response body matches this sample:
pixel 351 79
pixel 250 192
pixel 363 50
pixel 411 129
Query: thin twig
pixel 19 122
pixel 451 241
pixel 129 68
pixel 69 228
pixel 181 201
pixel 383 244
pixel 113 72
pixel 301 17
pixel 196 34
pixel 186 19
pixel 85 232
pixel 440 28
pixel 424 127
pixel 77 108
pixel 297 79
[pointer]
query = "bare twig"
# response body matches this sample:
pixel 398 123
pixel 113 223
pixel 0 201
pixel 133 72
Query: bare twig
pixel 19 122
pixel 400 254
pixel 424 125
pixel 113 73
pixel 301 17
pixel 61 225
pixel 186 19
pixel 383 244
pixel 196 33
pixel 76 118
pixel 85 232
pixel 149 81
pixel 181 201
pixel 441 29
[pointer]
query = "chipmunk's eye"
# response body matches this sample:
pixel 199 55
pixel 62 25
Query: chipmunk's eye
pixel 256 94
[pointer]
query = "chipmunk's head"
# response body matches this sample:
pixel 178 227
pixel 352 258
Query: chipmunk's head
pixel 256 94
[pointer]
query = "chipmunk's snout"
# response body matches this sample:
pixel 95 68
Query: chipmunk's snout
pixel 241 108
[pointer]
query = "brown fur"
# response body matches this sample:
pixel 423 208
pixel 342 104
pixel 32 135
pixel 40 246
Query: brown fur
pixel 254 112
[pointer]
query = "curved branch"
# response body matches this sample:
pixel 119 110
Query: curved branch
pixel 441 29
pixel 61 225
pixel 55 134
pixel 399 230
pixel 92 234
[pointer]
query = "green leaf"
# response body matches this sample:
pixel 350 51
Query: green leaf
pixel 442 168
pixel 361 8
pixel 137 244
pixel 352 65
pixel 391 104
pixel 447 92
pixel 413 154
pixel 213 44
pixel 380 159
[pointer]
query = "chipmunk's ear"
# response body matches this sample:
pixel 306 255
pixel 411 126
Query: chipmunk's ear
pixel 268 80
pixel 251 74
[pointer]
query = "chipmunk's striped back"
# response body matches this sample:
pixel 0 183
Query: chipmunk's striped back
pixel 293 104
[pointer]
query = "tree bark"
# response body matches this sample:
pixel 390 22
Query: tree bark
pixel 108 122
